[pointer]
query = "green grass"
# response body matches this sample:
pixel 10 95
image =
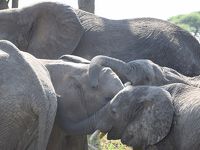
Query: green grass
pixel 104 144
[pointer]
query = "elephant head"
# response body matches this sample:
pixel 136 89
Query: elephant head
pixel 149 109
pixel 78 100
pixel 46 30
pixel 138 72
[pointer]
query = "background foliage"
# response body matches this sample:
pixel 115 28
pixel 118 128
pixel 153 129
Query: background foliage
pixel 190 22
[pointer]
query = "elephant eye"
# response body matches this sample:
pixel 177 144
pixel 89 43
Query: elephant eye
pixel 114 112
pixel 108 99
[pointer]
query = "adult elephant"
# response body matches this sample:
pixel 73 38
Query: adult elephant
pixel 49 30
pixel 139 72
pixel 149 118
pixel 28 101
pixel 77 98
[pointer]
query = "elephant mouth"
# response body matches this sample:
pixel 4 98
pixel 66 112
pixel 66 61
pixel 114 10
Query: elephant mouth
pixel 129 141
pixel 114 134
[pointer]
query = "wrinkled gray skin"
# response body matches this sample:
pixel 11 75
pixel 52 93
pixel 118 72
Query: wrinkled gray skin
pixel 139 72
pixel 151 106
pixel 49 30
pixel 28 101
pixel 150 118
pixel 78 100
pixel 183 134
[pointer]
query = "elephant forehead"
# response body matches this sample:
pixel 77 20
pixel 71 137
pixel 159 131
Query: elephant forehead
pixel 109 80
pixel 157 93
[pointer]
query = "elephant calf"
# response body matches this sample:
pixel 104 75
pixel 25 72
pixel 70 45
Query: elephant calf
pixel 77 99
pixel 162 118
pixel 139 72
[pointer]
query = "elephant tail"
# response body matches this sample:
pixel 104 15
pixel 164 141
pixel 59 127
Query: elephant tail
pixel 46 116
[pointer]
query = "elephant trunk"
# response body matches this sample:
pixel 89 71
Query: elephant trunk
pixel 118 66
pixel 95 122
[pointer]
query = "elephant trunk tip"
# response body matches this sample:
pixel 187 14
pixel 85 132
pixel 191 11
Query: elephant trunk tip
pixel 94 76
pixel 94 83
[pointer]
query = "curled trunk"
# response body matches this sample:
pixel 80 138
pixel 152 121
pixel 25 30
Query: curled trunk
pixel 96 64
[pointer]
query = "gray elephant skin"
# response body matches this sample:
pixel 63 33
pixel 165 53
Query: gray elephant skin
pixel 28 101
pixel 150 118
pixel 139 72
pixel 183 134
pixel 49 30
pixel 77 98
pixel 145 72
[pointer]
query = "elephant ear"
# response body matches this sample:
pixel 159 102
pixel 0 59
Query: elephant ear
pixel 54 29
pixel 71 98
pixel 75 59
pixel 152 119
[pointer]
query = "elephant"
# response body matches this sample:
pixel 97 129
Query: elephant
pixel 28 102
pixel 50 30
pixel 149 117
pixel 77 99
pixel 183 134
pixel 139 72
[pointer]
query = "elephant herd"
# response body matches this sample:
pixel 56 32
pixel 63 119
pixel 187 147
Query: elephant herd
pixel 65 73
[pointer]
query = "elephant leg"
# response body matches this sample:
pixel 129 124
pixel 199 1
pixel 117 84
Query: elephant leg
pixel 58 141
pixel 56 138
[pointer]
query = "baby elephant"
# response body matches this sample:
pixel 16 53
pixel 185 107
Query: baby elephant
pixel 162 118
pixel 139 72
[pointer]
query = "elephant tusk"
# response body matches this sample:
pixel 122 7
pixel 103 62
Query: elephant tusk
pixel 94 135
pixel 101 135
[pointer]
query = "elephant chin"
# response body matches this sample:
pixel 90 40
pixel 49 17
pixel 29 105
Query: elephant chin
pixel 114 134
